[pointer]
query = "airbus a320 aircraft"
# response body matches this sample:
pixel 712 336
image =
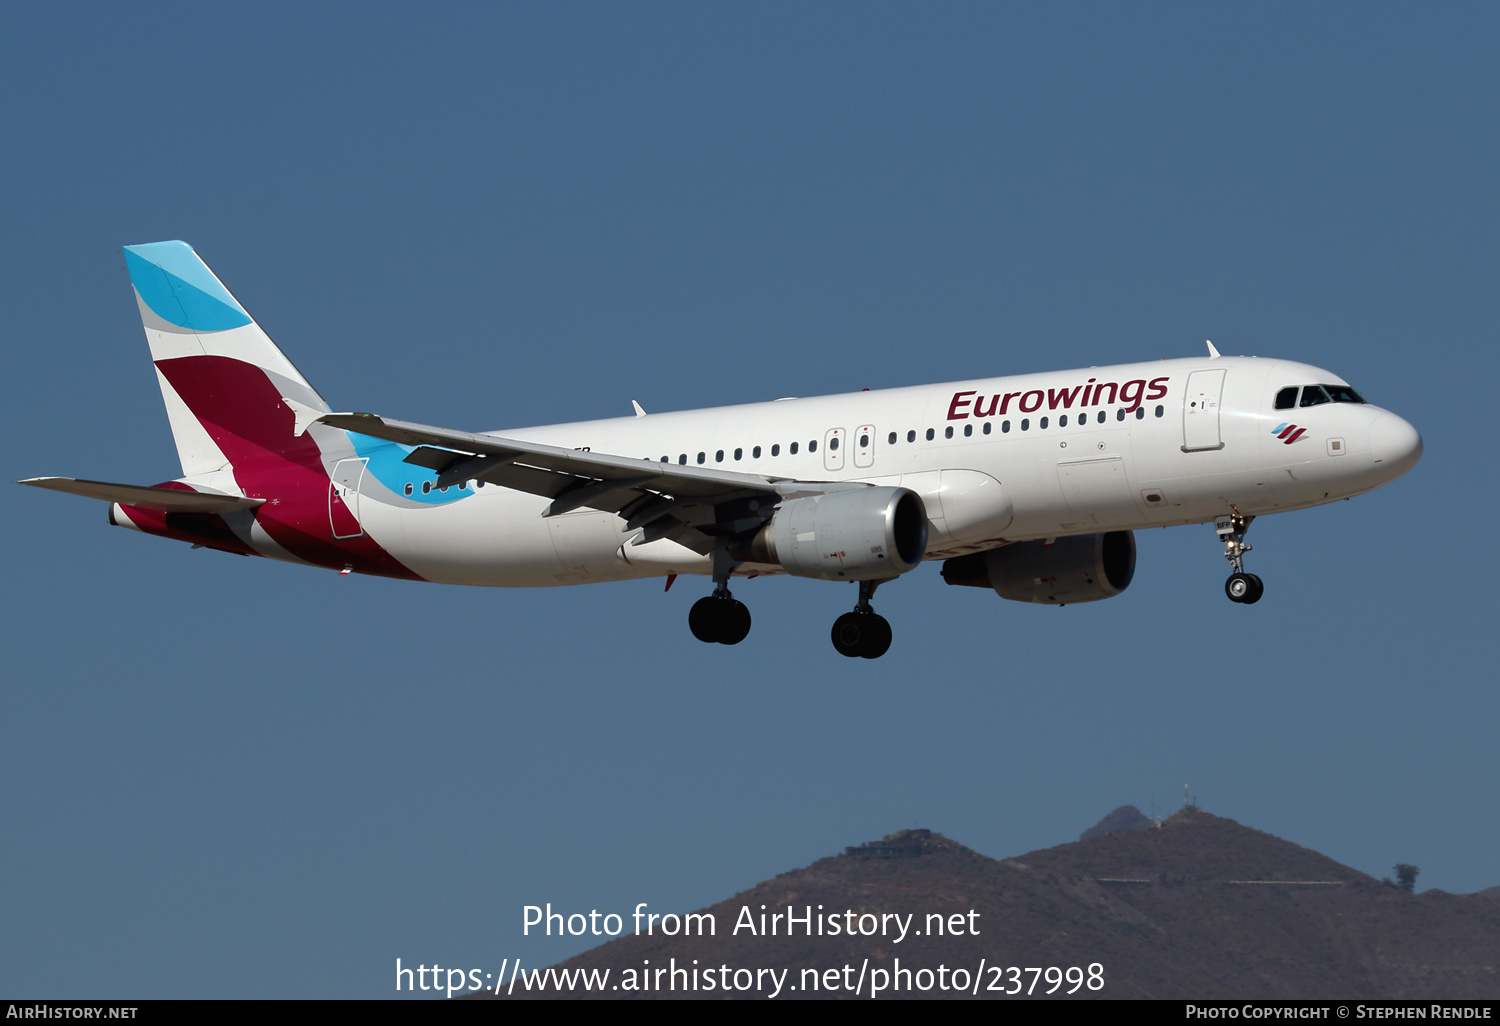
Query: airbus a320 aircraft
pixel 1028 485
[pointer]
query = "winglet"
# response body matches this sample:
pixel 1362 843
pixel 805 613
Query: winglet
pixel 1213 354
pixel 638 411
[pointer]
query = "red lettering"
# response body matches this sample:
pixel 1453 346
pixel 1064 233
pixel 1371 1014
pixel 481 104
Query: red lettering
pixel 1027 399
pixel 1158 388
pixel 958 403
pixel 1099 390
pixel 1130 394
pixel 1062 395
pixel 979 410
pixel 1005 402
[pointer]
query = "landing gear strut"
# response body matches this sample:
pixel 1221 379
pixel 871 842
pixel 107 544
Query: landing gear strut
pixel 720 617
pixel 863 632
pixel 1241 587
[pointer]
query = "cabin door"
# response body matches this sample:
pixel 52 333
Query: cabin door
pixel 1200 411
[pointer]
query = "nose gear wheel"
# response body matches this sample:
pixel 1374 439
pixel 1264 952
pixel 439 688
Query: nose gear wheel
pixel 1241 587
pixel 1244 588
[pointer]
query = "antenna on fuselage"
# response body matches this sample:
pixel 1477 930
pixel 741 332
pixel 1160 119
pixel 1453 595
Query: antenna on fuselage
pixel 1213 354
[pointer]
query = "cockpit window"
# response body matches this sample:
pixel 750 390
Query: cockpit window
pixel 1313 395
pixel 1286 398
pixel 1343 394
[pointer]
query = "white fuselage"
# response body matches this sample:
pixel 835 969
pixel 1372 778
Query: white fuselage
pixel 995 460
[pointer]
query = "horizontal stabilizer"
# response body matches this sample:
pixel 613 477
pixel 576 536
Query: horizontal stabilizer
pixel 167 500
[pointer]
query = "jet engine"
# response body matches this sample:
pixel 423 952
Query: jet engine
pixel 859 534
pixel 1083 568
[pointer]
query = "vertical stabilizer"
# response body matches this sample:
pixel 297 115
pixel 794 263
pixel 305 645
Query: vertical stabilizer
pixel 221 376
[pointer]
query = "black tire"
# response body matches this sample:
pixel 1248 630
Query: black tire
pixel 705 619
pixel 849 634
pixel 1257 589
pixel 1238 586
pixel 877 637
pixel 734 622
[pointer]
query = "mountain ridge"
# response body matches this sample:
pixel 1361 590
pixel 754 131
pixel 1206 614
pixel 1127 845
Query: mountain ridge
pixel 1196 907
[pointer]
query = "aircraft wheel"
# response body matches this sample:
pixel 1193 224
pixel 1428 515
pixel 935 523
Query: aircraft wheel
pixel 734 622
pixel 1257 589
pixel 1240 587
pixel 848 633
pixel 861 634
pixel 704 619
pixel 877 637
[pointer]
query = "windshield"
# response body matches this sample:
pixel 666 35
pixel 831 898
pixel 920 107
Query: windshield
pixel 1315 395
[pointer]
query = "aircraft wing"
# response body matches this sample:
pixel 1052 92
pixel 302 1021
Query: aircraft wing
pixel 167 500
pixel 668 500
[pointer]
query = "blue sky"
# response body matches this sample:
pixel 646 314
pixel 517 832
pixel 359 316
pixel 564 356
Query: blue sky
pixel 232 777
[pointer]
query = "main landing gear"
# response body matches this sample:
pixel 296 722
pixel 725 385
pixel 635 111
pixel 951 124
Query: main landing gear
pixel 720 617
pixel 863 632
pixel 1241 587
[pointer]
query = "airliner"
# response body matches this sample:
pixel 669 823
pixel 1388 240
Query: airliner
pixel 1030 486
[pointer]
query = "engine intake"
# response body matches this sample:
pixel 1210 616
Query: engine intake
pixel 860 534
pixel 1083 568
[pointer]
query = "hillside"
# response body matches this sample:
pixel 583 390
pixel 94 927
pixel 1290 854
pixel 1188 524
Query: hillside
pixel 1200 907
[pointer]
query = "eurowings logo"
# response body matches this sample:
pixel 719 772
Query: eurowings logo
pixel 1288 433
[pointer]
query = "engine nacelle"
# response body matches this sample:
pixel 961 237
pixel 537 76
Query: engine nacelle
pixel 860 534
pixel 1083 568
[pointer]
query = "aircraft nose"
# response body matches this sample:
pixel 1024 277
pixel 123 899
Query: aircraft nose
pixel 1395 445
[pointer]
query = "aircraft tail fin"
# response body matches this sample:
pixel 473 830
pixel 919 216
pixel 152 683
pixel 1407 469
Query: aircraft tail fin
pixel 229 392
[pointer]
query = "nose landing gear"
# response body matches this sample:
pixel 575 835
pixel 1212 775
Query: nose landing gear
pixel 1241 587
pixel 864 632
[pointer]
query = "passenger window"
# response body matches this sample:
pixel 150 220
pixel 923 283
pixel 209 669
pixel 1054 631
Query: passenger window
pixel 1042 423
pixel 968 430
pixel 833 444
pixel 1101 416
pixel 892 439
pixel 426 487
pixel 719 456
pixel 986 427
pixel 930 434
pixel 1286 398
pixel 1140 413
pixel 776 449
pixel 1120 413
pixel 739 454
pixel 1025 424
pixel 701 457
pixel 812 446
pixel 755 453
pixel 864 441
pixel 408 488
pixel 1062 421
pixel 911 436
pixel 1160 411
pixel 1005 427
pixel 948 431
pixel 792 451
pixel 1313 395
pixel 682 460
